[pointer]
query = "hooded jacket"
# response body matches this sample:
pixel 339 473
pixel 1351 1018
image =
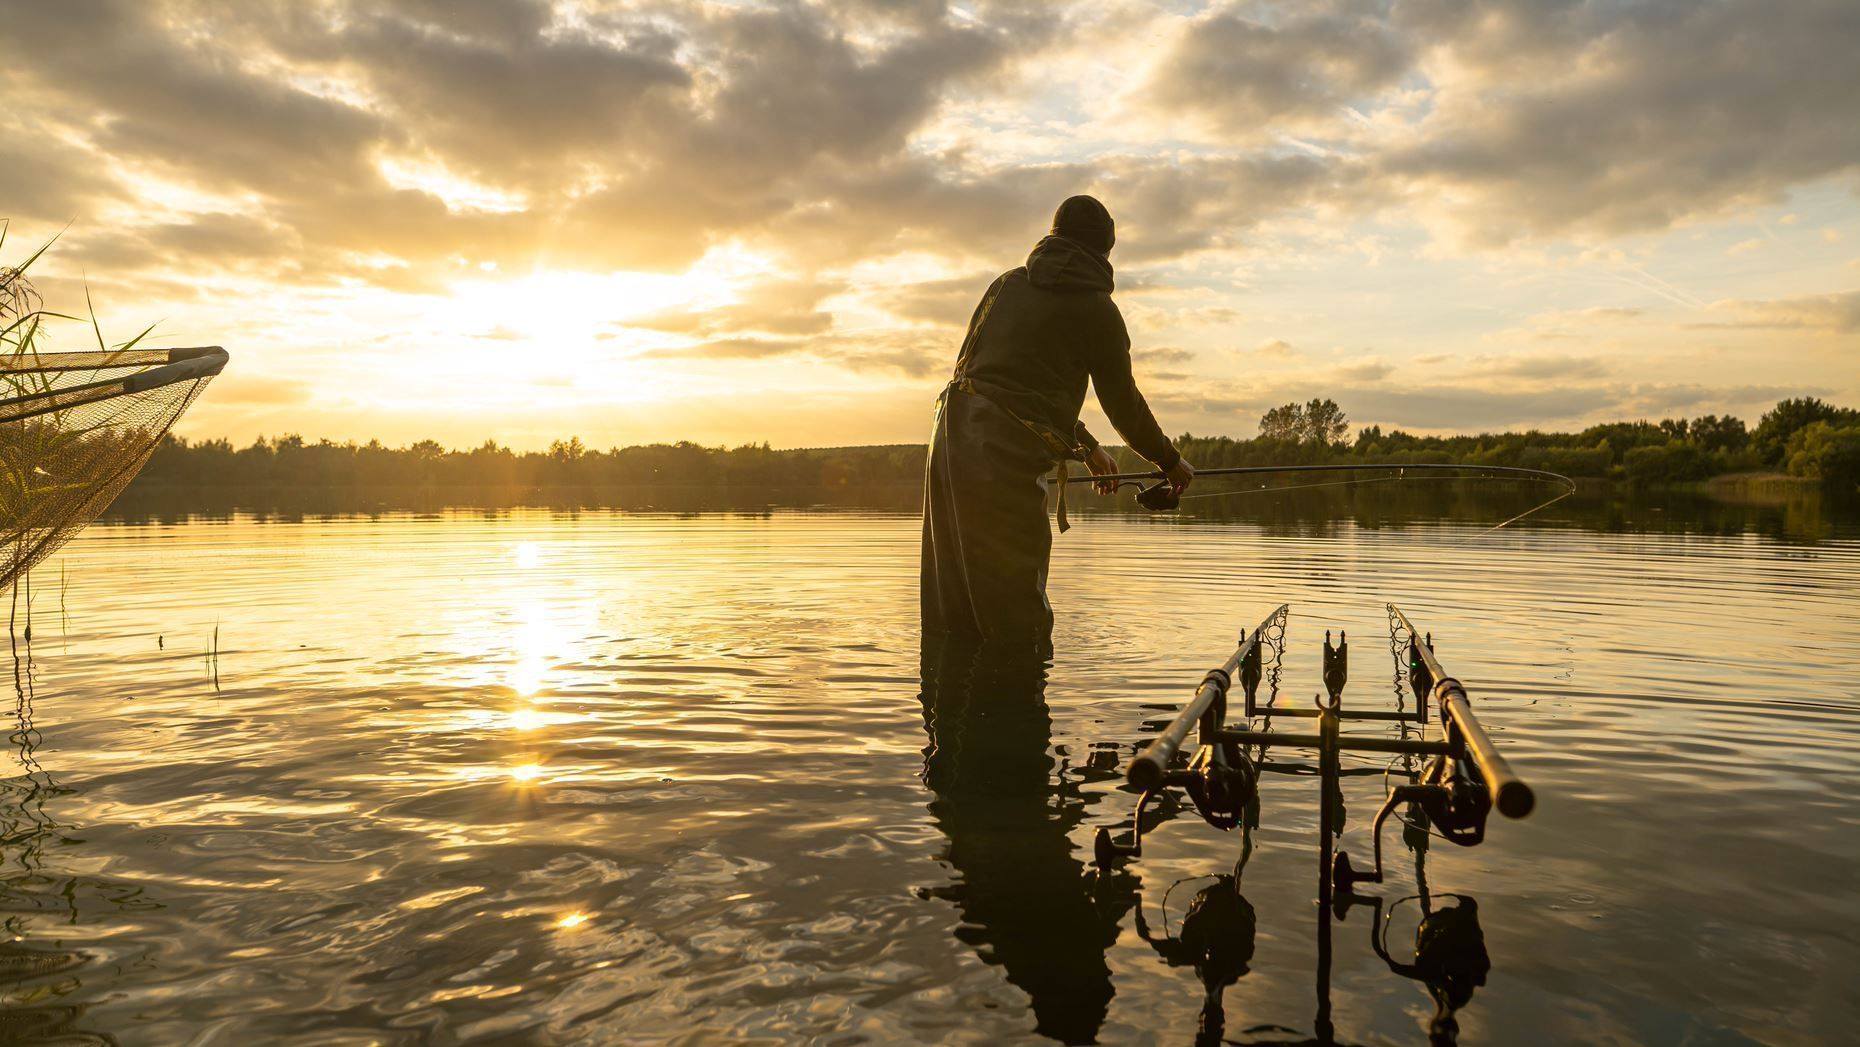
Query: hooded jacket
pixel 1043 331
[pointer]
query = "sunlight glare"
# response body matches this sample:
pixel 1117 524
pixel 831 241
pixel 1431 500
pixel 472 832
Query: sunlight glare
pixel 536 641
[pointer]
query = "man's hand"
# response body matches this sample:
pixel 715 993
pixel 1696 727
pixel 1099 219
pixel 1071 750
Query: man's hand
pixel 1100 462
pixel 1181 475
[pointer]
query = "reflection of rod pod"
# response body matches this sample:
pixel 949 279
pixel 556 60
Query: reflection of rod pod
pixel 1450 956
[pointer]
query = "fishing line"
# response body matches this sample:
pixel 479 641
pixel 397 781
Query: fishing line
pixel 1306 487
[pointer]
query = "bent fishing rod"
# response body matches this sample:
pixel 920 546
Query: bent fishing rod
pixel 1162 496
pixel 1382 467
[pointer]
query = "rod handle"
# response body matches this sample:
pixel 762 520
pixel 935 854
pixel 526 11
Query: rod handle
pixel 1147 769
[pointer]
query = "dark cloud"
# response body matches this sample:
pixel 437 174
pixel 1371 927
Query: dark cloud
pixel 348 140
pixel 630 139
pixel 1250 78
pixel 1610 118
pixel 44 177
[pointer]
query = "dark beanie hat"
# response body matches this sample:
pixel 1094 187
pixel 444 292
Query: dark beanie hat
pixel 1085 220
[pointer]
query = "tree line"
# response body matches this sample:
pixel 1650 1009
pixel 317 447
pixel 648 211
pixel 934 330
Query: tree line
pixel 1803 437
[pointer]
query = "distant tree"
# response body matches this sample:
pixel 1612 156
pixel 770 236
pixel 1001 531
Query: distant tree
pixel 1719 434
pixel 1324 422
pixel 1828 453
pixel 1788 417
pixel 1283 423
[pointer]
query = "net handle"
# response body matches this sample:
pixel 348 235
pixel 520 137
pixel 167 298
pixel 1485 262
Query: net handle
pixel 184 364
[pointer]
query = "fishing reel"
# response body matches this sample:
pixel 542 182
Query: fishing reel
pixel 1452 797
pixel 1223 784
pixel 1159 497
pixel 1220 781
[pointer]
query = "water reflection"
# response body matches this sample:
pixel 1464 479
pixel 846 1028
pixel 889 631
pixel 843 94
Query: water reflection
pixel 1793 513
pixel 1027 902
pixel 33 978
pixel 1216 937
pixel 724 750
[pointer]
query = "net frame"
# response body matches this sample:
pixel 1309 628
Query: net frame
pixel 76 429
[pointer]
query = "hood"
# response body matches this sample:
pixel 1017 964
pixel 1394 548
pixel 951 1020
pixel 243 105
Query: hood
pixel 1059 264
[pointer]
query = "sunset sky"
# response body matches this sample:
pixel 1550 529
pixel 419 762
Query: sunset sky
pixel 731 222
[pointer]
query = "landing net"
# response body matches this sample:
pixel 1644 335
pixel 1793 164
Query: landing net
pixel 75 428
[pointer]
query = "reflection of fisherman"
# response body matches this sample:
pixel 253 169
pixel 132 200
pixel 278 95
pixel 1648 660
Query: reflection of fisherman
pixel 1010 413
pixel 1026 902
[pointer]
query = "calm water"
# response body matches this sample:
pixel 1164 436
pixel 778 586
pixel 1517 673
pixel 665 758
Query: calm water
pixel 607 777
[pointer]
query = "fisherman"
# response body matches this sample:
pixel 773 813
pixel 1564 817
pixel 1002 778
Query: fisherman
pixel 1010 414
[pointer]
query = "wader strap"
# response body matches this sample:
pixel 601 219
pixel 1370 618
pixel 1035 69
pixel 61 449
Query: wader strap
pixel 1062 448
pixel 1064 525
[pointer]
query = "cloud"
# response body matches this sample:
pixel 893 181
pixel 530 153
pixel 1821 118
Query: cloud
pixel 238 156
pixel 1250 78
pixel 1548 367
pixel 1365 370
pixel 1838 313
pixel 949 302
pixel 1601 119
pixel 1161 356
pixel 772 307
pixel 903 352
pixel 747 348
pixel 632 139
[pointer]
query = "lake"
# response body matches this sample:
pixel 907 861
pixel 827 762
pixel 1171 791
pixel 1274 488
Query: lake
pixel 638 776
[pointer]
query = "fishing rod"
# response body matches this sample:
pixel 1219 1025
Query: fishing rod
pixel 1161 496
pixel 1384 467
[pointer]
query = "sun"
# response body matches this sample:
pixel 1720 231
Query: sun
pixel 569 312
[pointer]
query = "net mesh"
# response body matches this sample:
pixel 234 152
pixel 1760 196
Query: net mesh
pixel 75 428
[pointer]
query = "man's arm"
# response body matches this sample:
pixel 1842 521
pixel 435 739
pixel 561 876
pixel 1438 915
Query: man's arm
pixel 1117 392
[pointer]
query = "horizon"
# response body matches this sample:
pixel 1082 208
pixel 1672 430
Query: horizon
pixel 1354 428
pixel 636 223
